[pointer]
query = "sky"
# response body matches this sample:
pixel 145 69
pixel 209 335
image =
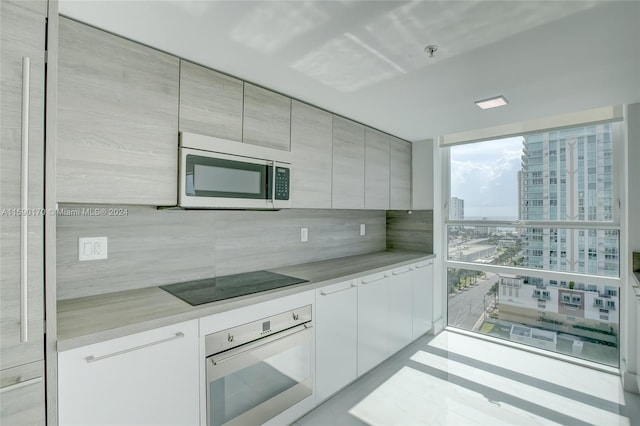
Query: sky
pixel 484 175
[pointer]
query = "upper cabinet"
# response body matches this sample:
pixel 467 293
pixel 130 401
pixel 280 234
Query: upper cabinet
pixel 121 106
pixel 348 164
pixel 117 119
pixel 267 118
pixel 210 102
pixel 311 139
pixel 400 190
pixel 376 170
pixel 422 175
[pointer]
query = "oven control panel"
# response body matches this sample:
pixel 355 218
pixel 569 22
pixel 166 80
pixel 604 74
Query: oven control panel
pixel 255 330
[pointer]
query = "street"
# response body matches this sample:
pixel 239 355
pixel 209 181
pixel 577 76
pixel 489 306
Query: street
pixel 466 307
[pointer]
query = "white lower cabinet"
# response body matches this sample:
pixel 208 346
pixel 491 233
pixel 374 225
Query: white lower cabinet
pixel 149 378
pixel 336 337
pixel 360 323
pixel 638 339
pixel 400 308
pixel 373 321
pixel 422 298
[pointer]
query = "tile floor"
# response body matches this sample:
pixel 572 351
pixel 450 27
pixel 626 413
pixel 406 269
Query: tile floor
pixel 452 379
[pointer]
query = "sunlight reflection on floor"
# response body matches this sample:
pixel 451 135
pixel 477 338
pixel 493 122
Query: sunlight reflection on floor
pixel 454 379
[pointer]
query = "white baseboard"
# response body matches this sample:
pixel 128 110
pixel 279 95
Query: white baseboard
pixel 631 382
pixel 438 326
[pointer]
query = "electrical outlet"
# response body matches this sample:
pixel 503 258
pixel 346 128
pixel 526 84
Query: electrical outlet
pixel 92 248
pixel 362 230
pixel 304 235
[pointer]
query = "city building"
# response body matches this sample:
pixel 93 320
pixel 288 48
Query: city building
pixel 457 208
pixel 481 253
pixel 485 231
pixel 567 175
pixel 577 313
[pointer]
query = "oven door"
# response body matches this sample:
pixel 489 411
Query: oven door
pixel 253 383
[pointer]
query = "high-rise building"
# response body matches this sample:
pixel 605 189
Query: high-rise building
pixel 567 176
pixel 457 208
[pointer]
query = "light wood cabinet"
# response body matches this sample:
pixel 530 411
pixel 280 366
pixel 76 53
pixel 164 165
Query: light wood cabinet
pixel 23 37
pixel 23 27
pixel 422 298
pixel 400 309
pixel 267 118
pixel 373 321
pixel 348 164
pixel 39 7
pixel 117 119
pixel 376 170
pixel 336 338
pixel 210 102
pixel 400 182
pixel 22 397
pixel 149 378
pixel 311 140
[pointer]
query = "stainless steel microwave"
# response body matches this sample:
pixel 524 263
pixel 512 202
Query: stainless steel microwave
pixel 219 173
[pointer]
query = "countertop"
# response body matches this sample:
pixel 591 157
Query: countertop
pixel 94 319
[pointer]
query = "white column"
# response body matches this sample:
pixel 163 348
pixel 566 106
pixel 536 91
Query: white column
pixel 630 242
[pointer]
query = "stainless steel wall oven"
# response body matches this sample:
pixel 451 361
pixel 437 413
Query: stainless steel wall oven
pixel 257 370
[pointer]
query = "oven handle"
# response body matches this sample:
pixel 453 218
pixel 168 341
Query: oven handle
pixel 264 343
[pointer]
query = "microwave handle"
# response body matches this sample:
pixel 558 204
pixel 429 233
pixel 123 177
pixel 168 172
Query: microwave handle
pixel 273 183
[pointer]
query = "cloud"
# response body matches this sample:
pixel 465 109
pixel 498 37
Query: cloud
pixel 485 176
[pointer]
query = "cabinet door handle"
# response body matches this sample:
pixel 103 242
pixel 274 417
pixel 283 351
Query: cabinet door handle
pixel 401 272
pixel 372 280
pixel 424 266
pixel 22 384
pixel 327 293
pixel 24 203
pixel 92 358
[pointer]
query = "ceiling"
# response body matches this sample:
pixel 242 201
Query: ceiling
pixel 365 59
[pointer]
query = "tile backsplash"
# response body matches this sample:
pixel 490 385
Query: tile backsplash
pixel 149 247
pixel 410 231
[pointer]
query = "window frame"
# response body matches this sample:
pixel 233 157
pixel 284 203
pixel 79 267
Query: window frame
pixel 614 224
pixel 618 186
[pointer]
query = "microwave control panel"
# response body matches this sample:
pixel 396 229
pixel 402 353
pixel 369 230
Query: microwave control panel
pixel 282 183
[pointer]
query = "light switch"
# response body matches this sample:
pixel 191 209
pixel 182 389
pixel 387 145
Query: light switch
pixel 304 235
pixel 362 230
pixel 92 248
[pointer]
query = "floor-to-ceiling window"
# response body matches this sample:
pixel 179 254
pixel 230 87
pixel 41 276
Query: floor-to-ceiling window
pixel 533 240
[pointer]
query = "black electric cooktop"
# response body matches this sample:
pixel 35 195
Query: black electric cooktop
pixel 214 289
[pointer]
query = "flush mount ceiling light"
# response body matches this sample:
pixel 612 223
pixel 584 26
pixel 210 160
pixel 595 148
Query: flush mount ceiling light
pixel 492 102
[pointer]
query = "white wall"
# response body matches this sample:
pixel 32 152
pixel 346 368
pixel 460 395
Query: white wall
pixel 631 224
pixel 422 175
pixel 440 168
